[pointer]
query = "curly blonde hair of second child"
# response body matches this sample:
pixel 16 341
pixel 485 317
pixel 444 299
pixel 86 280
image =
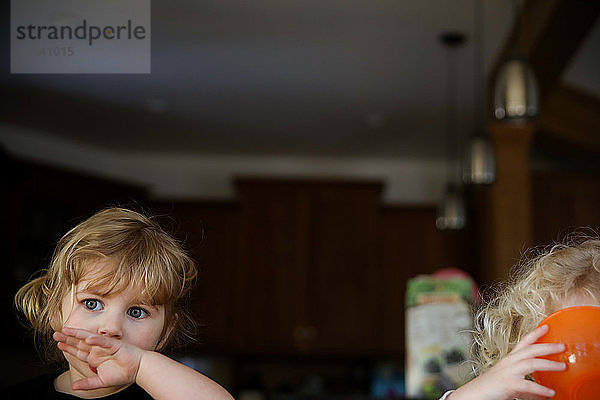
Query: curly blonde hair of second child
pixel 144 256
pixel 537 288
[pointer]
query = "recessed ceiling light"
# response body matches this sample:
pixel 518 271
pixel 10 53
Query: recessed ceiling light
pixel 375 120
pixel 156 105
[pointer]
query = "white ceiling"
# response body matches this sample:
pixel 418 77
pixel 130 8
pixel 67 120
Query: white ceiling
pixel 312 77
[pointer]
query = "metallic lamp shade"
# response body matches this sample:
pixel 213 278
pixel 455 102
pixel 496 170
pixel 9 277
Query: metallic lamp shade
pixel 451 212
pixel 516 94
pixel 479 167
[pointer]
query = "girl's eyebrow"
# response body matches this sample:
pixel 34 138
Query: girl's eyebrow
pixel 135 301
pixel 91 291
pixel 144 303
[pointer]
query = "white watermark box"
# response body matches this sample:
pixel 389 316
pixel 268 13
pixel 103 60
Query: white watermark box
pixel 79 36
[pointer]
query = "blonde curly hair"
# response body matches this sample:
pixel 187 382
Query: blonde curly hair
pixel 538 287
pixel 144 254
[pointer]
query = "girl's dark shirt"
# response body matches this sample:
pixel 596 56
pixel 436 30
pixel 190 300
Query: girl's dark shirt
pixel 42 388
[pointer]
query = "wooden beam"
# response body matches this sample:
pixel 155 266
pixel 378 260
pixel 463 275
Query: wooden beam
pixel 508 224
pixel 548 35
pixel 571 116
pixel 565 32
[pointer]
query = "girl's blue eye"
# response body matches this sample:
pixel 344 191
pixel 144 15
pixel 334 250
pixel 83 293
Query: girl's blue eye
pixel 137 312
pixel 92 304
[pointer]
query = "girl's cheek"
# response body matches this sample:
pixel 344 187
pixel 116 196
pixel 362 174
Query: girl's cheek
pixel 77 319
pixel 149 339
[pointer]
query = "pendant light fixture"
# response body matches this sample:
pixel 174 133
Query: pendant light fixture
pixel 479 167
pixel 516 93
pixel 451 211
pixel 480 164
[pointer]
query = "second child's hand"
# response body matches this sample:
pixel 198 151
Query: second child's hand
pixel 506 380
pixel 116 363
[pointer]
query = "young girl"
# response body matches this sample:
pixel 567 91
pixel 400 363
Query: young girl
pixel 110 301
pixel 506 352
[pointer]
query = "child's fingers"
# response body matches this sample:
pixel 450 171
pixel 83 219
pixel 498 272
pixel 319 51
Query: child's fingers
pixel 532 390
pixel 59 337
pixel 101 341
pixel 74 351
pixel 80 344
pixel 78 333
pixel 92 382
pixel 527 367
pixel 539 350
pixel 531 337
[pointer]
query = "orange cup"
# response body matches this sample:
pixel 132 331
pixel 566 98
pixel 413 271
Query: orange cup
pixel 578 328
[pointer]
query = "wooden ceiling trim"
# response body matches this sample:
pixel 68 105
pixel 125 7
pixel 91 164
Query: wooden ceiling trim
pixel 571 115
pixel 555 29
pixel 565 32
pixel 551 34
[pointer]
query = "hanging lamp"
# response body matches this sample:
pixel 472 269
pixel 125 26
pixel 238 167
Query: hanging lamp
pixel 451 210
pixel 516 92
pixel 479 166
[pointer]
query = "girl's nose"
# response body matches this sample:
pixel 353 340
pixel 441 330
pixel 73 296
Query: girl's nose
pixel 110 328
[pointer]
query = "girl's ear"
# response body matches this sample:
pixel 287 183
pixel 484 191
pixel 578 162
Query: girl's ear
pixel 167 333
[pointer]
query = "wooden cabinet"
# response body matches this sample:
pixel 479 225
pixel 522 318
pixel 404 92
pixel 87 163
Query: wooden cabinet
pixel 343 270
pixel 274 242
pixel 564 202
pixel 210 232
pixel 410 245
pixel 305 267
pixel 308 265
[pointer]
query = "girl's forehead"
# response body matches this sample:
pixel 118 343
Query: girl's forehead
pixel 109 276
pixel 98 267
pixel 103 275
pixel 106 286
